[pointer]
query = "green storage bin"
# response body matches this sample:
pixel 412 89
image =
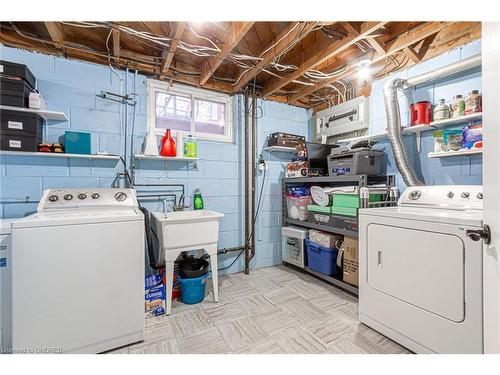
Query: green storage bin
pixel 352 200
pixel 316 208
pixel 76 142
pixel 346 211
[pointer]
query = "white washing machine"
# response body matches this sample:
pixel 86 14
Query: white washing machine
pixel 78 273
pixel 5 283
pixel 420 277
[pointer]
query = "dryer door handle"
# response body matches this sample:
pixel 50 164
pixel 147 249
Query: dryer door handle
pixel 478 234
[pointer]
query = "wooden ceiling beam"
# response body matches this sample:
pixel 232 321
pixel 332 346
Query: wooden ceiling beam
pixel 377 45
pixel 278 45
pixel 116 43
pixel 238 31
pixel 396 45
pixel 320 57
pixel 168 55
pixel 56 33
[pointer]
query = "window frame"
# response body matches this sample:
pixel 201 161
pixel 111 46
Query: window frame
pixel 154 86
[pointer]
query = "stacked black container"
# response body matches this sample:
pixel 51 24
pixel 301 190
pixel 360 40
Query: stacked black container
pixel 19 131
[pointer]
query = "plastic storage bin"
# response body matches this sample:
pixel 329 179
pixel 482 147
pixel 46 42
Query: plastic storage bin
pixel 193 289
pixel 292 245
pixel 321 259
pixel 297 207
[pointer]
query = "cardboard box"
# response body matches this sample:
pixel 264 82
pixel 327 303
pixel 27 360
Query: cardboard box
pixel 351 261
pixel 324 239
pixel 297 169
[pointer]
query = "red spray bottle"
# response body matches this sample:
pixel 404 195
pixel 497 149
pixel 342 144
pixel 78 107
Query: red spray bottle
pixel 167 145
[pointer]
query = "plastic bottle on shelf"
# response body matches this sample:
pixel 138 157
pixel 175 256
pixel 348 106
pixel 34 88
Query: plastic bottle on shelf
pixel 458 106
pixel 473 103
pixel 441 111
pixel 167 145
pixel 190 147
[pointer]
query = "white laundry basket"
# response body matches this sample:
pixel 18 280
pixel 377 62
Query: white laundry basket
pixel 292 245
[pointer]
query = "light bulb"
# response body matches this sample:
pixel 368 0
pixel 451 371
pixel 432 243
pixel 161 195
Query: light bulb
pixel 364 73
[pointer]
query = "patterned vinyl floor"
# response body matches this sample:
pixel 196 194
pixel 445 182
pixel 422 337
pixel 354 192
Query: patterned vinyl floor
pixel 272 310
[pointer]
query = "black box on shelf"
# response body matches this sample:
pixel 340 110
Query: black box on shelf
pixel 16 142
pixel 348 223
pixel 285 140
pixel 14 92
pixel 8 68
pixel 20 123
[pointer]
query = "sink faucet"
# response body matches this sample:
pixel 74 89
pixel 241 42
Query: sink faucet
pixel 177 206
pixel 181 205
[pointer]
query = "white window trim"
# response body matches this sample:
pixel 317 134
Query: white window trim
pixel 193 93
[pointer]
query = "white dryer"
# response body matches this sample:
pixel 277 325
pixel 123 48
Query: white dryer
pixel 420 279
pixel 78 273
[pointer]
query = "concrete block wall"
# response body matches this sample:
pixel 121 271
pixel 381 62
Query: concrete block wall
pixel 439 171
pixel 72 86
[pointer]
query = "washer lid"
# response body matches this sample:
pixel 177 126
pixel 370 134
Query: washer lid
pixel 74 217
pixel 446 216
pixel 5 225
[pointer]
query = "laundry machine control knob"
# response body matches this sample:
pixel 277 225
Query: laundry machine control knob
pixel 53 198
pixel 465 194
pixel 82 196
pixel 450 194
pixel 479 195
pixel 95 196
pixel 68 197
pixel 120 196
pixel 414 195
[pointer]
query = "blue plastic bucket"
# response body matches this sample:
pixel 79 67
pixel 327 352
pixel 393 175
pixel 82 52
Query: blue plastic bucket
pixel 193 289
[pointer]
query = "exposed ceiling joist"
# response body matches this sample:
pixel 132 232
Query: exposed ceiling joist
pixel 319 58
pixel 238 31
pixel 116 43
pixel 278 45
pixel 377 45
pixel 56 33
pixel 168 55
pixel 396 45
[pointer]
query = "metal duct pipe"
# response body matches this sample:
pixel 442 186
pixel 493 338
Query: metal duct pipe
pixel 394 132
pixel 445 71
pixel 394 116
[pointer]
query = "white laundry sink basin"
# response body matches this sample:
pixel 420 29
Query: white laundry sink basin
pixel 186 229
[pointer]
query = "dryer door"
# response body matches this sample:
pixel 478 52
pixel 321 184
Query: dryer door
pixel 422 268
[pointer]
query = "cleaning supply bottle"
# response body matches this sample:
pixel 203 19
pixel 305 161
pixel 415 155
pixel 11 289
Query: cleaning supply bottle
pixel 197 200
pixel 167 145
pixel 190 147
pixel 150 145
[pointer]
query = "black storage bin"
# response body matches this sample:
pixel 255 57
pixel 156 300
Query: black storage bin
pixel 9 68
pixel 14 92
pixel 20 123
pixel 16 142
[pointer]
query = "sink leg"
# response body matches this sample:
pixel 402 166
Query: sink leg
pixel 169 277
pixel 215 275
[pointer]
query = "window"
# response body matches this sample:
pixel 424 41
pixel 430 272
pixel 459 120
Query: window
pixel 203 113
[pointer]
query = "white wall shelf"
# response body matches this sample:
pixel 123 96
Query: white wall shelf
pixel 417 129
pixel 454 153
pixel 279 149
pixel 60 155
pixel 46 115
pixel 164 158
pixel 456 120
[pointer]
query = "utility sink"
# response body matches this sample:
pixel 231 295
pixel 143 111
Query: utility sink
pixel 186 229
pixel 180 231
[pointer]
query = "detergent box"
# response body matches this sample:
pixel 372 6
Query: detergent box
pixel 155 294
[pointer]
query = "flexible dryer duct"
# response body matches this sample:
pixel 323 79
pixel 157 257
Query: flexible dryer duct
pixel 394 116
